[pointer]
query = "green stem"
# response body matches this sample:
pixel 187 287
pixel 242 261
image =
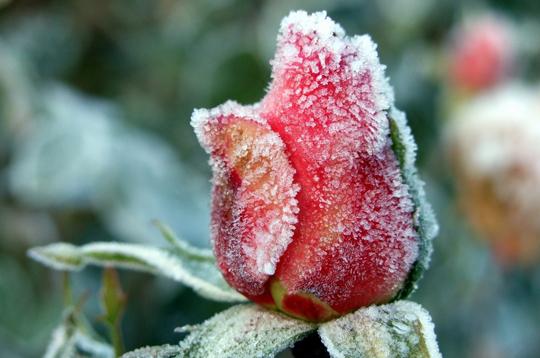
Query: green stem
pixel 117 341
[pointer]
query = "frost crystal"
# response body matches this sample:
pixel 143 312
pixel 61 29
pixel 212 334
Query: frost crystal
pixel 401 329
pixel 254 205
pixel 328 101
pixel 194 270
pixel 243 331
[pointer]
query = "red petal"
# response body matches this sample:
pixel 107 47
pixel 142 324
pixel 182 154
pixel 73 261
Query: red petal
pixel 254 206
pixel 354 243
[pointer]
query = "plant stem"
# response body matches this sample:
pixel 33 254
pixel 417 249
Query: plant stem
pixel 115 333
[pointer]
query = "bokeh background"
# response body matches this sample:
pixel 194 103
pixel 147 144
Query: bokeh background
pixel 95 143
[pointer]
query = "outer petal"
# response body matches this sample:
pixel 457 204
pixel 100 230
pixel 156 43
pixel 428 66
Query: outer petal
pixel 254 206
pixel 355 241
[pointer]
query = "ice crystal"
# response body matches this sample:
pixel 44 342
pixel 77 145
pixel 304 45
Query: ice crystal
pixel 254 208
pixel 197 272
pixel 401 329
pixel 243 331
pixel 72 338
pixel 165 351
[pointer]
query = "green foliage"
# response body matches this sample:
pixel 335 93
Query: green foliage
pixel 243 331
pixel 182 266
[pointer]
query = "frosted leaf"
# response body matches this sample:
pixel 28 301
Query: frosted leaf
pixel 164 351
pixel 183 247
pixel 397 330
pixel 71 339
pixel 196 271
pixel 254 206
pixel 243 331
pixel 426 226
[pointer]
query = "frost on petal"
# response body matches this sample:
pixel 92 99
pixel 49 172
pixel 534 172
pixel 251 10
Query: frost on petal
pixel 355 240
pixel 329 91
pixel 400 329
pixel 254 206
pixel 243 331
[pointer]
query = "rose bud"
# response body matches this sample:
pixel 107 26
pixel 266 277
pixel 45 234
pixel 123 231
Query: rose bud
pixel 317 209
pixel 493 142
pixel 482 53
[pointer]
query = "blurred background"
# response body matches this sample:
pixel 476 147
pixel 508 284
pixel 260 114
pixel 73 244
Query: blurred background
pixel 95 143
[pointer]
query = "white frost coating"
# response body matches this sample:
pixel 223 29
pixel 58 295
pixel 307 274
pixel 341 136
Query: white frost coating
pixel 68 340
pixel 424 215
pixel 60 344
pixel 201 117
pixel 243 331
pixel 329 102
pixel 496 138
pixel 400 329
pixel 314 42
pixel 304 23
pixel 201 275
pixel 164 351
pixel 250 241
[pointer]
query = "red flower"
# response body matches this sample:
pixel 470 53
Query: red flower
pixel 482 53
pixel 312 213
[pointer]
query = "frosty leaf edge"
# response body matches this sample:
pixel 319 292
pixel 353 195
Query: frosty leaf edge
pixel 399 329
pixel 405 148
pixel 201 276
pixel 243 331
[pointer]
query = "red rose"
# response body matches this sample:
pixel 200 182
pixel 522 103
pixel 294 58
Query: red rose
pixel 482 54
pixel 316 204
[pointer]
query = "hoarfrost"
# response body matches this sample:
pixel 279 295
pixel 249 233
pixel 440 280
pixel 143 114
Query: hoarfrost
pixel 164 351
pixel 197 271
pixel 425 223
pixel 254 205
pixel 71 338
pixel 334 123
pixel 400 329
pixel 243 331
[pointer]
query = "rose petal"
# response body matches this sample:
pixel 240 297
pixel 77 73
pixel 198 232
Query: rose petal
pixel 355 242
pixel 254 206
